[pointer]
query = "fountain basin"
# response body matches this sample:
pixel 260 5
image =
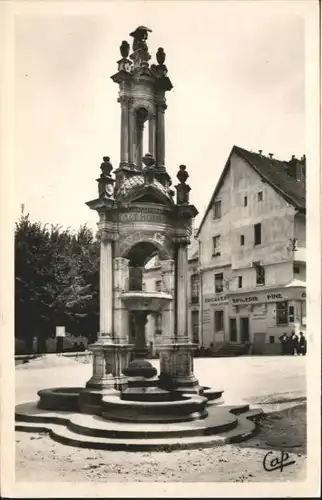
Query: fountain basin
pixel 145 301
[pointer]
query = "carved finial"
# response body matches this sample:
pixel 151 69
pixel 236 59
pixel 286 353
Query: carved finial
pixel 182 189
pixel 149 170
pixel 125 49
pixel 106 167
pixel 106 181
pixel 140 36
pixel 148 160
pixel 182 175
pixel 160 56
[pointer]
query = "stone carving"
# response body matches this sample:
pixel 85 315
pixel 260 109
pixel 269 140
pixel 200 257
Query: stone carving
pixel 125 49
pixel 160 56
pixel 106 181
pixel 182 189
pixel 104 236
pixel 140 36
pixel 149 170
pixel 144 236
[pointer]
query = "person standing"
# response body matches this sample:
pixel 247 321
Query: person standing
pixel 302 344
pixel 283 340
pixel 294 343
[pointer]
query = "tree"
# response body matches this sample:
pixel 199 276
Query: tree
pixel 56 281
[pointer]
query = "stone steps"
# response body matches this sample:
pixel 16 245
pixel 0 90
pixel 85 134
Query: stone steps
pixel 223 425
pixel 243 431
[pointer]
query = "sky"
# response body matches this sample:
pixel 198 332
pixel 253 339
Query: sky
pixel 238 72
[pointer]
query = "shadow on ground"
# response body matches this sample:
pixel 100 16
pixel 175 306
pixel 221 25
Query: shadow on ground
pixel 281 430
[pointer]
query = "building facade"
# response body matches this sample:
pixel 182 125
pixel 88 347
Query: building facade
pixel 252 253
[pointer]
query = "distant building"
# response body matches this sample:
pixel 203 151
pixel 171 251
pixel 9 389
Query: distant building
pixel 252 253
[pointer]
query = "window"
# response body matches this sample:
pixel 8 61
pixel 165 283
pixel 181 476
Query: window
pixel 260 273
pixel 272 339
pixel 291 314
pixel 217 210
pixel 219 321
pixel 240 282
pixel 245 201
pixel 258 234
pixel 296 270
pixel 219 283
pixel 242 240
pixel 216 246
pixel 281 313
pixel 303 313
pixel 158 285
pixel 260 196
pixel 195 326
pixel 194 282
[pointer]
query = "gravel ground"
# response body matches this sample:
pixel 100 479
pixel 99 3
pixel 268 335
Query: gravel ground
pixel 39 458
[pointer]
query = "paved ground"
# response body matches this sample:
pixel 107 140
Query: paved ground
pixel 272 381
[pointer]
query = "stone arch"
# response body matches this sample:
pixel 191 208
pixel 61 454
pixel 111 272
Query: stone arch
pixel 156 240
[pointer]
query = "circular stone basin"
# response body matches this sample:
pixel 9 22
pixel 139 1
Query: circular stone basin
pixel 145 301
pixel 59 398
pixel 183 409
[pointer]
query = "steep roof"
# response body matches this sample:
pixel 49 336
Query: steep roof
pixel 272 171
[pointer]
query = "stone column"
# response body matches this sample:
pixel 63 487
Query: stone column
pixel 139 144
pixel 182 293
pixel 161 107
pixel 152 130
pixel 121 285
pixel 106 288
pixel 124 156
pixel 176 354
pixel 168 312
pixel 141 348
pixel 131 137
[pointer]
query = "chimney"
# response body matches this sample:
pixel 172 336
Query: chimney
pixel 297 168
pixel 270 155
pixel 260 151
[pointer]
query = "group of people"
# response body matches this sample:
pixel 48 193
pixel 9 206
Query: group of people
pixel 293 344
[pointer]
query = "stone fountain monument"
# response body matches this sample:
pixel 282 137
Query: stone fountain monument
pixel 125 404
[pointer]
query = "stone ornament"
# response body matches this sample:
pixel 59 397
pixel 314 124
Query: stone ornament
pixel 183 189
pixel 125 49
pixel 149 170
pixel 140 36
pixel 105 236
pixel 106 181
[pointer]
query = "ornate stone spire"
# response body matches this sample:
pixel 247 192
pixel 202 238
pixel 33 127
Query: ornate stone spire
pixel 183 189
pixel 106 181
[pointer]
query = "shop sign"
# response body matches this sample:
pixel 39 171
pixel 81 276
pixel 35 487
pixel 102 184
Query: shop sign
pixel 268 297
pixel 217 300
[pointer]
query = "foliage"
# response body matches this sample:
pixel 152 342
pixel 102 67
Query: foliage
pixel 56 274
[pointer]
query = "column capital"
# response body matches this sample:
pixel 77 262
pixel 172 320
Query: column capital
pixel 161 106
pixel 105 236
pixel 123 99
pixel 181 240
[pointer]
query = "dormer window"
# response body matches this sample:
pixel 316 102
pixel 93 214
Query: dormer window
pixel 217 210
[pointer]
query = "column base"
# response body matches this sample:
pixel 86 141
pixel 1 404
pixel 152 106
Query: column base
pixel 109 360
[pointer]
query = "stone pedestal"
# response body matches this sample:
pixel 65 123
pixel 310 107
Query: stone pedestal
pixel 176 366
pixel 108 364
pixel 141 349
